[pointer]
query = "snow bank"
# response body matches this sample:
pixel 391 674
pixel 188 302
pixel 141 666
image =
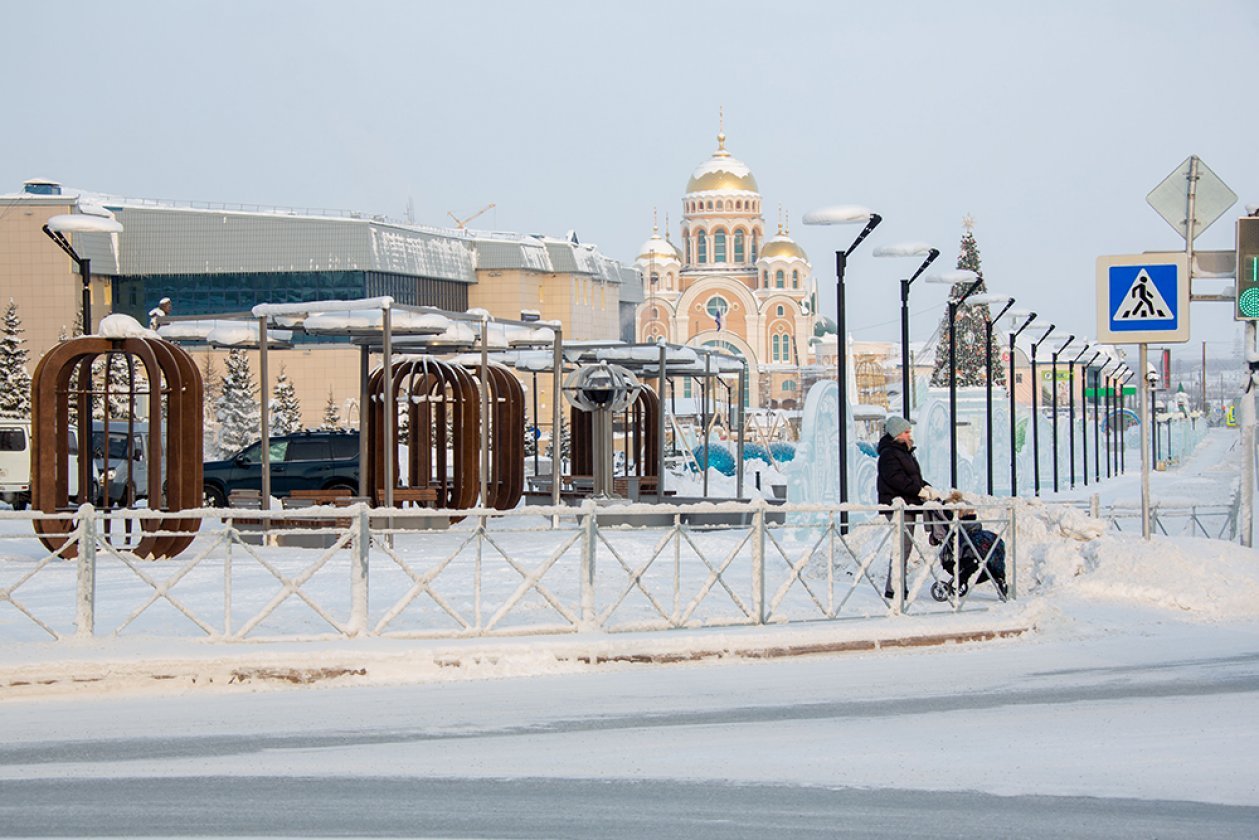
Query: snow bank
pixel 1064 552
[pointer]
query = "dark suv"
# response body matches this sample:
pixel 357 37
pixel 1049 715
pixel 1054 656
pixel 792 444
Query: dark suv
pixel 300 461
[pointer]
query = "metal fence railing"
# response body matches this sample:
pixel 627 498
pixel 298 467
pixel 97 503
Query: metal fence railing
pixel 368 572
pixel 1218 521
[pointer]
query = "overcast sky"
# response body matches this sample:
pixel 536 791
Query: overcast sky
pixel 1048 123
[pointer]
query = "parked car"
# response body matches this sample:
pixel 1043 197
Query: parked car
pixel 308 460
pixel 124 463
pixel 15 462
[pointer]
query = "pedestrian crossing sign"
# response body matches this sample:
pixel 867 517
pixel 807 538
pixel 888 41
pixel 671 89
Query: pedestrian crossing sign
pixel 1143 298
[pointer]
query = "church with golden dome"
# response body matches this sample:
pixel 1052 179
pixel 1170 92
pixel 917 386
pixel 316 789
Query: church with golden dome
pixel 729 286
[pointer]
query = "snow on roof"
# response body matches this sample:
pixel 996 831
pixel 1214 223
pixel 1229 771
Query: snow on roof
pixel 220 333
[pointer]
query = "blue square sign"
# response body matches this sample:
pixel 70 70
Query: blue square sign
pixel 1143 298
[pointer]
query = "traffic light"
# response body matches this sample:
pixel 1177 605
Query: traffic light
pixel 1247 305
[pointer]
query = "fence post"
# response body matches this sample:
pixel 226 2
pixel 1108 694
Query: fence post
pixel 898 568
pixel 358 572
pixel 758 561
pixel 85 597
pixel 589 537
pixel 1012 573
pixel 1095 506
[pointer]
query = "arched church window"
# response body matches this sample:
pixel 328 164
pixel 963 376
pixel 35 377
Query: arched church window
pixel 795 279
pixel 719 246
pixel 764 279
pixel 738 205
pixel 655 279
pixel 756 245
pixel 688 250
pixel 710 204
pixel 782 310
pixel 738 246
pixel 778 279
pixel 701 243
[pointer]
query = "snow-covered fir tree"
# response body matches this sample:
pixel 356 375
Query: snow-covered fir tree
pixel 15 379
pixel 124 373
pixel 286 411
pixel 971 327
pixel 331 414
pixel 211 385
pixel 240 423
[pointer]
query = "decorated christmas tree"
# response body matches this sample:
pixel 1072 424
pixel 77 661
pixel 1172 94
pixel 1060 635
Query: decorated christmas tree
pixel 286 411
pixel 15 380
pixel 971 327
pixel 238 415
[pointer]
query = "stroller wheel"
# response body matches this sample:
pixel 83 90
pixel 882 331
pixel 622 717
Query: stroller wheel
pixel 941 590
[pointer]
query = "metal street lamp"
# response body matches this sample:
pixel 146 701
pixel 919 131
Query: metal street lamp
pixel 985 300
pixel 953 278
pixel 56 229
pixel 1084 417
pixel 1035 413
pixel 1062 345
pixel 1026 318
pixel 843 215
pixel 909 249
pixel 1071 411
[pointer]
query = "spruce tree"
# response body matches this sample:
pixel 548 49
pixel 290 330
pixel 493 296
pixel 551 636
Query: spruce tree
pixel 240 423
pixel 119 369
pixel 15 380
pixel 286 411
pixel 971 324
pixel 211 384
pixel 331 414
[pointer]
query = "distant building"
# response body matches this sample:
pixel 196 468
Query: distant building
pixel 213 260
pixel 729 285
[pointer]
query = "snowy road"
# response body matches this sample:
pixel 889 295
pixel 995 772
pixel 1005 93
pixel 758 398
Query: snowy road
pixel 1117 734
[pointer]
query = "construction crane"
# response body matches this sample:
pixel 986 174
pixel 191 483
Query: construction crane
pixel 460 224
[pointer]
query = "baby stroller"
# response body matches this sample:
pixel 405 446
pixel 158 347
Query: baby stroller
pixel 982 554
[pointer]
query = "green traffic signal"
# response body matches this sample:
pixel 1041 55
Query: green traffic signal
pixel 1247 306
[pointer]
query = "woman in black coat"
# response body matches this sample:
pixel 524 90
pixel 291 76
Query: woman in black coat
pixel 900 477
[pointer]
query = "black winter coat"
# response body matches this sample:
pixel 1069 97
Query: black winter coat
pixel 899 473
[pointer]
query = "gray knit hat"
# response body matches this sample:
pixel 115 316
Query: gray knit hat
pixel 896 424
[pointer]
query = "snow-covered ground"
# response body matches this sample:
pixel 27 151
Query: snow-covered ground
pixel 1127 711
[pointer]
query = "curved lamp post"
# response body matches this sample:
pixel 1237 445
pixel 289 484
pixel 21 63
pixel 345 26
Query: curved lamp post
pixel 1071 363
pixel 56 229
pixel 843 215
pixel 1084 416
pixel 1063 344
pixel 929 254
pixel 986 300
pixel 1035 412
pixel 1022 319
pixel 953 278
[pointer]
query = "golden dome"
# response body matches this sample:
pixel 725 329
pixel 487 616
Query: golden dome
pixel 782 247
pixel 722 172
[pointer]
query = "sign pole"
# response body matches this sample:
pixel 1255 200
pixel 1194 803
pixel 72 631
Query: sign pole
pixel 1246 420
pixel 1145 440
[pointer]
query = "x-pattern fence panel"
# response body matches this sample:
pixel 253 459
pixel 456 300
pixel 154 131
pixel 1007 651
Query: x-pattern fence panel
pixel 353 572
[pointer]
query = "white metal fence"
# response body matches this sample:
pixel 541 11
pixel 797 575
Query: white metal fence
pixel 364 572
pixel 1214 521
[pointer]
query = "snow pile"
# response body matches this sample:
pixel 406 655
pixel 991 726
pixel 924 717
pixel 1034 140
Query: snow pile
pixel 1063 551
pixel 123 326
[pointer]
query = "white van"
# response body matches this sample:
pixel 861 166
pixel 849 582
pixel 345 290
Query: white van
pixel 15 462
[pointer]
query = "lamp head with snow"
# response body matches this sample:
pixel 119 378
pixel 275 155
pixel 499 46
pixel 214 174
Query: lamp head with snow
pixel 83 223
pixel 980 300
pixel 952 278
pixel 840 214
pixel 905 249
